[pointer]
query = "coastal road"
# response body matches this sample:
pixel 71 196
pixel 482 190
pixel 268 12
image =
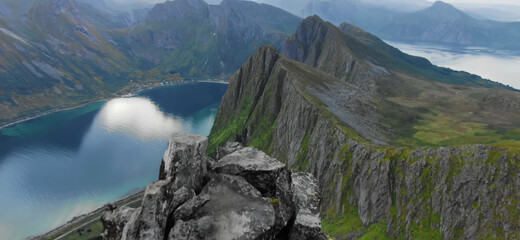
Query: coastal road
pixel 91 221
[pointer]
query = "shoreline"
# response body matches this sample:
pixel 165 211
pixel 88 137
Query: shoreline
pixel 92 216
pixel 83 217
pixel 88 102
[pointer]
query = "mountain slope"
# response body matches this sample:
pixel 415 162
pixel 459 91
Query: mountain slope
pixel 368 16
pixel 422 104
pixel 51 56
pixel 62 53
pixel 296 113
pixel 206 40
pixel 444 23
pixel 104 17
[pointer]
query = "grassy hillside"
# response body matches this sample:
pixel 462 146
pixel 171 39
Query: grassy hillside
pixel 420 104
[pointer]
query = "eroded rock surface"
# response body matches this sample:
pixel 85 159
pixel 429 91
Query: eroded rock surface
pixel 247 195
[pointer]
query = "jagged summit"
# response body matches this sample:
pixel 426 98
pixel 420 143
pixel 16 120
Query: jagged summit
pixel 444 11
pixel 244 195
pixel 312 116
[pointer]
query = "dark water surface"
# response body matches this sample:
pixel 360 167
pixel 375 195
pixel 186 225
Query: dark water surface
pixel 68 163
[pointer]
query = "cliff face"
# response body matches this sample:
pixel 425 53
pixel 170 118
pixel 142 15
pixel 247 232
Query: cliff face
pixel 244 195
pixel 295 113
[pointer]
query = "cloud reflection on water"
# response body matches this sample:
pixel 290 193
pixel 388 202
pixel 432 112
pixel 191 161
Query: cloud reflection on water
pixel 140 117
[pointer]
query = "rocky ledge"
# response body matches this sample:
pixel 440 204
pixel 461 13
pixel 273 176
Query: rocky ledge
pixel 244 195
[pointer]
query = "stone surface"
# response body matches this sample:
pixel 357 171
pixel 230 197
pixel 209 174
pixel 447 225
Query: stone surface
pixel 227 208
pixel 248 195
pixel 307 224
pixel 114 220
pixel 185 161
pixel 159 202
pixel 258 168
pixel 227 149
pixel 469 192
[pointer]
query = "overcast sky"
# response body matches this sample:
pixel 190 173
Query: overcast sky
pixel 301 2
pixel 296 5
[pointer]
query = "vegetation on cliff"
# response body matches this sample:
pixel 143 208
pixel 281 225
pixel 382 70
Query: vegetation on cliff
pixel 376 181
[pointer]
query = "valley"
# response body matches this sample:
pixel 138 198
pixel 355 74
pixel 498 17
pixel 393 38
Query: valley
pixel 358 137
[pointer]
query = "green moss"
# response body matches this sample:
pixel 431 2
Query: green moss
pixel 275 202
pixel 376 231
pixel 228 131
pixel 349 222
pixel 302 162
pixel 264 134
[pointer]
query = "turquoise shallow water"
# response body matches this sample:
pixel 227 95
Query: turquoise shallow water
pixel 68 163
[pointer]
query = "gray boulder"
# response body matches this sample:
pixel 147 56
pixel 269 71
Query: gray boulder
pixel 307 224
pixel 255 166
pixel 246 195
pixel 227 149
pixel 268 175
pixel 114 220
pixel 159 202
pixel 227 208
pixel 185 161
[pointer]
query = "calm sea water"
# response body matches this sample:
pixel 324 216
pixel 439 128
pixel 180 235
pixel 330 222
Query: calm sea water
pixel 499 66
pixel 69 163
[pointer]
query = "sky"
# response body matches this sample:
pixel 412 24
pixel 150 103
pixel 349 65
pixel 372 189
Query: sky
pixel 295 3
pixel 295 6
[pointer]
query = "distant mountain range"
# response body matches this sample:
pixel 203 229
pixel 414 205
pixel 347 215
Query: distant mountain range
pixel 198 39
pixel 367 16
pixel 444 23
pixel 438 23
pixel 61 53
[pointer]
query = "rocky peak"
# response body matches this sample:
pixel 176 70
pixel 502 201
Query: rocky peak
pixel 246 195
pixel 321 45
pixel 443 12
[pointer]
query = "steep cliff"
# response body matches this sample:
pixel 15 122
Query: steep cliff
pixel 420 103
pixel 320 124
pixel 244 195
pixel 350 53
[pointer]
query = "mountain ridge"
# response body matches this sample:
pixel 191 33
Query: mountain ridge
pixel 443 23
pixel 280 106
pixel 59 54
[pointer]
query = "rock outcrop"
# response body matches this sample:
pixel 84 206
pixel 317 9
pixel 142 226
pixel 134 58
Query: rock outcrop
pixel 291 111
pixel 247 195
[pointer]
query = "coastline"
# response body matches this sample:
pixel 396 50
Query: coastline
pixel 81 220
pixel 85 221
pixel 120 95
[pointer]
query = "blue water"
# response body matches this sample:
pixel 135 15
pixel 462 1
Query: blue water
pixel 69 163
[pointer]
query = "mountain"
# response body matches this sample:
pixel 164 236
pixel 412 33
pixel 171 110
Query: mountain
pixel 372 187
pixel 369 16
pixel 103 16
pixel 246 195
pixel 443 23
pixel 413 93
pixel 51 56
pixel 197 39
pixel 63 53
